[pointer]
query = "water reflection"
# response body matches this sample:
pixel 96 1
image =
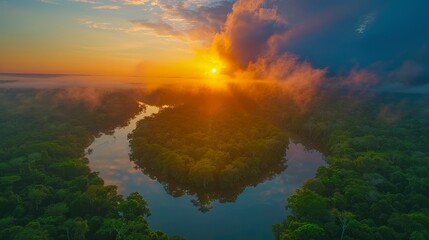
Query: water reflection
pixel 249 217
pixel 109 155
pixel 209 149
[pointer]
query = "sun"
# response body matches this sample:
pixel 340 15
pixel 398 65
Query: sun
pixel 214 70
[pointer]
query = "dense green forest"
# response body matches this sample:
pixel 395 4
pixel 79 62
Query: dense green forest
pixel 212 147
pixel 377 182
pixel 47 190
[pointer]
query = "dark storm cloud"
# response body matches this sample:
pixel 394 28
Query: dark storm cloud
pixel 388 38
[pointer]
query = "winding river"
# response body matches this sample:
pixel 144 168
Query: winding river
pixel 249 218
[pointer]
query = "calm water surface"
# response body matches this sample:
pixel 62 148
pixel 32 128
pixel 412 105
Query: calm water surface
pixel 249 218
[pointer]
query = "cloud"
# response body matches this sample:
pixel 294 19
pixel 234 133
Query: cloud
pixel 159 27
pixel 376 37
pixel 100 25
pixel 364 43
pixel 49 2
pixel 187 20
pixel 299 79
pixel 363 25
pixel 360 78
pixel 110 7
pixel 196 21
pixel 248 46
pixel 137 2
pixel 409 73
pixel 248 32
pixel 87 1
pixel 90 97
pixel 97 25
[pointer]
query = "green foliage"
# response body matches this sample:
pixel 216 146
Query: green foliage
pixel 308 205
pixel 377 182
pixel 308 231
pixel 46 189
pixel 133 207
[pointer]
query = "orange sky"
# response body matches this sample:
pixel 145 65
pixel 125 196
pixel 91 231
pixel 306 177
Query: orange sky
pixel 88 37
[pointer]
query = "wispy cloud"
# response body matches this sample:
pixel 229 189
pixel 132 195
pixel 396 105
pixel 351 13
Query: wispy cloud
pixel 99 25
pixel 87 1
pixel 159 27
pixel 187 20
pixel 109 7
pixel 190 20
pixel 138 2
pixel 364 23
pixel 49 2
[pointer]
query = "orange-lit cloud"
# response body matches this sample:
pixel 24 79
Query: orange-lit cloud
pixel 247 47
pixel 110 7
pixel 136 2
pixel 247 32
pixel 298 79
pixel 158 27
pixel 98 25
pixel 360 78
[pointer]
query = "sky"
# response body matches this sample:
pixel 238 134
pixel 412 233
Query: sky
pixel 333 41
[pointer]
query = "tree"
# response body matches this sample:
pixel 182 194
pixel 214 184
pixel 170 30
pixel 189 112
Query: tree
pixel 344 217
pixel 76 229
pixel 308 205
pixel 417 236
pixel 308 231
pixel 133 207
pixel 37 193
pixel 33 231
pixel 115 226
pixel 277 230
pixel 203 173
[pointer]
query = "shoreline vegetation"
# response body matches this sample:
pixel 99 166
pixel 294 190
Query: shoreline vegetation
pixel 376 182
pixel 47 191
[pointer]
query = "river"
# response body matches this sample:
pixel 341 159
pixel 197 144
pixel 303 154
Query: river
pixel 249 218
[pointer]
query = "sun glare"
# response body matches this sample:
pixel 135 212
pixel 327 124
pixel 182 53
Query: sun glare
pixel 214 70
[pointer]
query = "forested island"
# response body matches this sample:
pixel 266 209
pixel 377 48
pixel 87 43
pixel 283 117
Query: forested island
pixel 212 146
pixel 47 190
